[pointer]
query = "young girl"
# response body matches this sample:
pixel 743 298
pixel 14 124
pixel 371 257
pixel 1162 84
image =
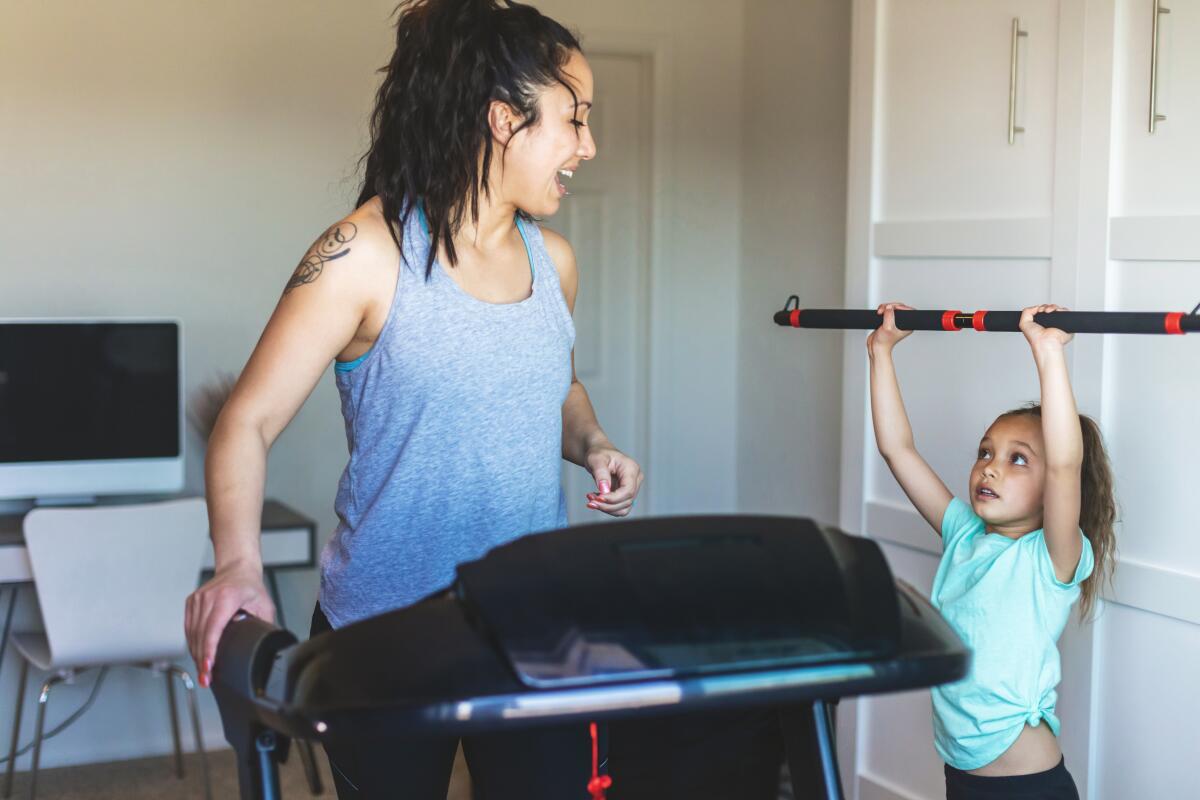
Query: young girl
pixel 1035 536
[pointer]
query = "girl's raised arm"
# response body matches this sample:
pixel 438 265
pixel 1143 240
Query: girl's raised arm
pixel 1063 440
pixel 893 432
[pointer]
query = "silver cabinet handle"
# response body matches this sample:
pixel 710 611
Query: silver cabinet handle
pixel 1155 117
pixel 1013 130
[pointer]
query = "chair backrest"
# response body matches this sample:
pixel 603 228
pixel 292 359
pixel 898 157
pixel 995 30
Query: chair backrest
pixel 112 580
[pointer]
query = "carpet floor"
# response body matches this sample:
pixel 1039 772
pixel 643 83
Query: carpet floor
pixel 154 779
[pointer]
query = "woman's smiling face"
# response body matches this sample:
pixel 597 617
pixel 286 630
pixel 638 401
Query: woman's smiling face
pixel 1009 477
pixel 533 167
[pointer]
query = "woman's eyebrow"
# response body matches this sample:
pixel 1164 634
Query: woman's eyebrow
pixel 1026 445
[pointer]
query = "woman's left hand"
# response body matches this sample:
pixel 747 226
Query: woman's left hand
pixel 618 480
pixel 1037 334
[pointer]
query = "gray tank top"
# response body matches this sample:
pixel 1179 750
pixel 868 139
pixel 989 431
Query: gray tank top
pixel 454 424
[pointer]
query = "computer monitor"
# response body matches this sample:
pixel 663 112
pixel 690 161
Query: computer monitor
pixel 90 407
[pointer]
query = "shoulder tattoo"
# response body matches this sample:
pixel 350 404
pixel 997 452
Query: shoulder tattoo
pixel 332 245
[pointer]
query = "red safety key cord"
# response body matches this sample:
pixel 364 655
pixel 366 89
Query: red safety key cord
pixel 599 783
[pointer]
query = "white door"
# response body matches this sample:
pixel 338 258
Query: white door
pixel 1155 174
pixel 1148 639
pixel 1118 231
pixel 606 219
pixel 944 90
pixel 945 213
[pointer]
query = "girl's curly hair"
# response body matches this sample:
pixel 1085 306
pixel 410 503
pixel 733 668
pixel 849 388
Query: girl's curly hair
pixel 1097 506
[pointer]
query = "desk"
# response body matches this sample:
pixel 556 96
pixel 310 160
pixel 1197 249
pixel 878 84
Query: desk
pixel 289 542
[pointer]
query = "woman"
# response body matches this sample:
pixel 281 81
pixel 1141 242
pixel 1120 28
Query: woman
pixel 447 314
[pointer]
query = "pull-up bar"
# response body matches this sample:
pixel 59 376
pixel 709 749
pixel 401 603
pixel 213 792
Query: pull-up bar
pixel 1174 322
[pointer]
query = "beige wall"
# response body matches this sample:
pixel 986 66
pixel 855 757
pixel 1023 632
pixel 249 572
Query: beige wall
pixel 796 87
pixel 176 158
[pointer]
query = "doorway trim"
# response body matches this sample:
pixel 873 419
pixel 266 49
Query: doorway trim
pixel 658 54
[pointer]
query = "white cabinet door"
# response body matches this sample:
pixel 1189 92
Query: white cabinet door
pixel 1152 624
pixel 1156 174
pixel 1087 208
pixel 945 213
pixel 944 68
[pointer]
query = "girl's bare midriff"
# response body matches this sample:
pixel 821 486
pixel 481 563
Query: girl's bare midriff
pixel 1035 750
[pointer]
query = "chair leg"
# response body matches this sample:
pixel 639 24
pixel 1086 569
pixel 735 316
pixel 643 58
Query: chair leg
pixel 174 722
pixel 16 731
pixel 37 734
pixel 194 710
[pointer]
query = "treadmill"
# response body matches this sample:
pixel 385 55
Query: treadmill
pixel 596 623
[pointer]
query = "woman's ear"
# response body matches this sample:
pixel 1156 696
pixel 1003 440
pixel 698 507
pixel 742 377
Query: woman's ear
pixel 503 121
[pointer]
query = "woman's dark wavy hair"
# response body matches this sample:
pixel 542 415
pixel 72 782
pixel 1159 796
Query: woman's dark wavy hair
pixel 430 123
pixel 1097 506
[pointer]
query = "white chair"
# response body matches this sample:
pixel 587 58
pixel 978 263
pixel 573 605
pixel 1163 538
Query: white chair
pixel 112 582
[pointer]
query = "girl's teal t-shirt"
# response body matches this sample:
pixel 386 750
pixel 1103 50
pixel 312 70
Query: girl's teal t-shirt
pixel 1002 598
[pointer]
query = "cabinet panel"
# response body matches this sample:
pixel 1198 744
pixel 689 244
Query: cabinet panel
pixel 1156 174
pixel 1150 418
pixel 944 89
pixel 956 384
pixel 898 744
pixel 1146 743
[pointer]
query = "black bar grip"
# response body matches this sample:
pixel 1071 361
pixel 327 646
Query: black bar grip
pixel 1145 322
pixel 864 319
pixel 1084 321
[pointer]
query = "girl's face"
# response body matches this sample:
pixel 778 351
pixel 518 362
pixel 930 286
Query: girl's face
pixel 537 156
pixel 1009 476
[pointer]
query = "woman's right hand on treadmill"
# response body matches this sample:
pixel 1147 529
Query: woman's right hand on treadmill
pixel 213 605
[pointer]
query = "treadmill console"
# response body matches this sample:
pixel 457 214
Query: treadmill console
pixel 679 597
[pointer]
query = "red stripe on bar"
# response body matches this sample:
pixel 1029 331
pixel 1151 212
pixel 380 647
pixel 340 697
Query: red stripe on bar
pixel 948 323
pixel 977 321
pixel 795 318
pixel 1172 323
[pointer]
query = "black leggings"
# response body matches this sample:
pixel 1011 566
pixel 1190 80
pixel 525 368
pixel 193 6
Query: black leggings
pixel 1053 784
pixel 534 764
pixel 732 755
pixel 725 755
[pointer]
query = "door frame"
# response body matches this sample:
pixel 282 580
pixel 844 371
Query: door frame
pixel 655 281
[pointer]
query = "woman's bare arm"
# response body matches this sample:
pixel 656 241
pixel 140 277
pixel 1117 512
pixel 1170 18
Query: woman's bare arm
pixel 324 312
pixel 618 477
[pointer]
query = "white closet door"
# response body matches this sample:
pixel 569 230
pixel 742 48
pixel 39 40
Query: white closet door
pixel 1155 199
pixel 1157 174
pixel 944 74
pixel 1088 208
pixel 1149 640
pixel 944 213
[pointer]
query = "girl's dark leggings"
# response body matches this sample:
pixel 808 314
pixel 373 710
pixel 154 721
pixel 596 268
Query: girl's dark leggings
pixel 1053 784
